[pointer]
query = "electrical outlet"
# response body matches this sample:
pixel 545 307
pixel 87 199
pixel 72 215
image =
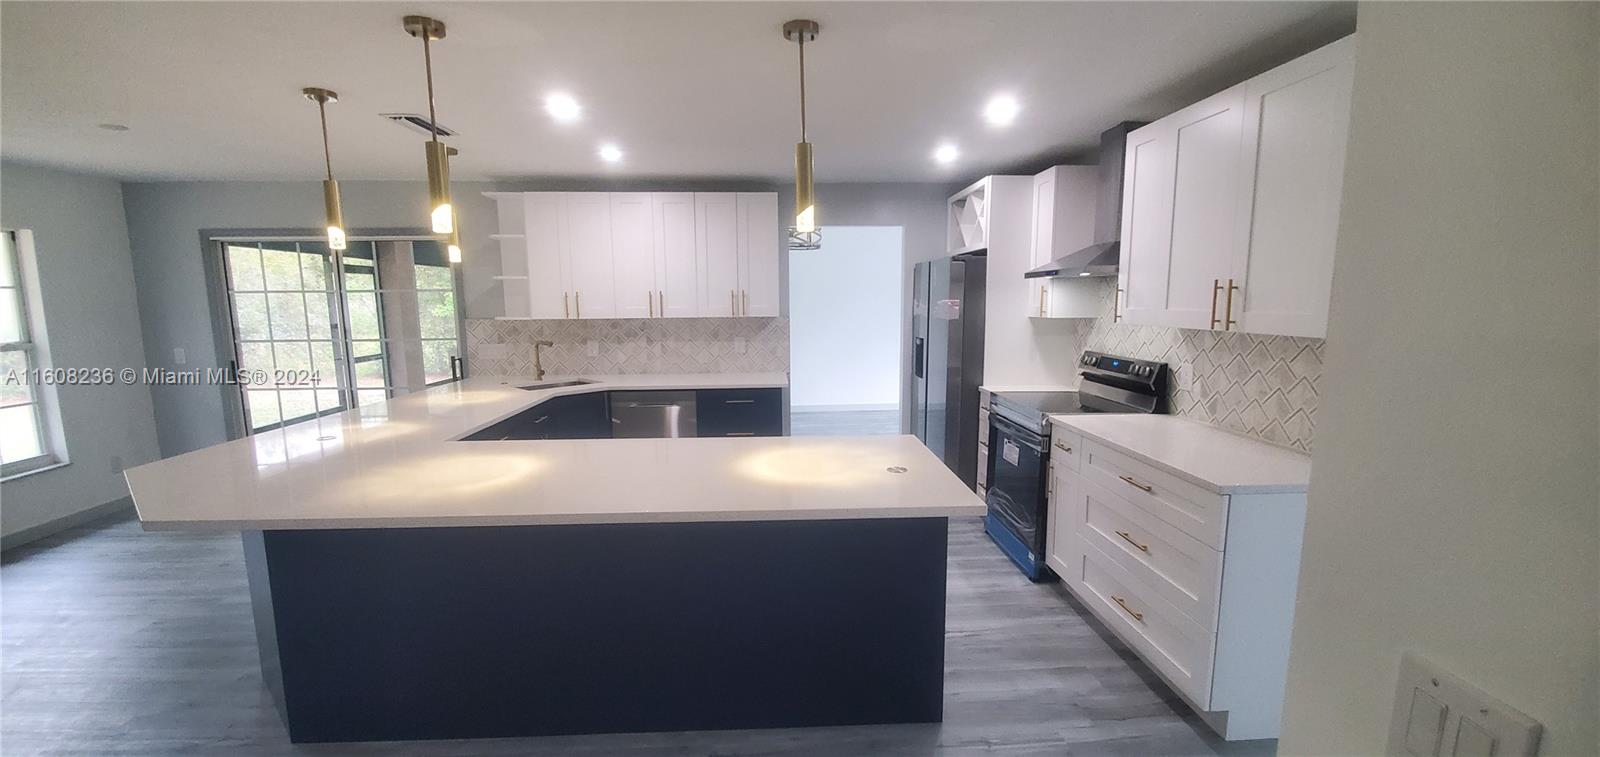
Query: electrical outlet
pixel 179 356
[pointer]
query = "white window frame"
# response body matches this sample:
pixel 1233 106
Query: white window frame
pixel 35 346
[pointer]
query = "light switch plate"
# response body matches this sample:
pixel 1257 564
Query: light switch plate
pixel 1436 714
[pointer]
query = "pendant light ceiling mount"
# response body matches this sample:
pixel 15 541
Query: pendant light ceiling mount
pixel 330 187
pixel 805 234
pixel 441 216
pixel 416 26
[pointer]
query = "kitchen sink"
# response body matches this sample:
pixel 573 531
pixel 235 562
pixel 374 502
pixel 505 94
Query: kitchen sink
pixel 557 384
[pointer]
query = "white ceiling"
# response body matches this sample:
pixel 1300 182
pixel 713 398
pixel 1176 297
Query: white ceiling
pixel 212 90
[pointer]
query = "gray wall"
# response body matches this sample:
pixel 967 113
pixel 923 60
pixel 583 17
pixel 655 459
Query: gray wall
pixel 1452 509
pixel 91 316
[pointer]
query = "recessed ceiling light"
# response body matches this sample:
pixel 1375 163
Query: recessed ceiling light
pixel 1001 111
pixel 610 153
pixel 946 153
pixel 113 127
pixel 1084 273
pixel 562 107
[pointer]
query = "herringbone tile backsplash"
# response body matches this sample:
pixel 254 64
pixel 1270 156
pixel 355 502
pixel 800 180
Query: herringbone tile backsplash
pixel 1266 387
pixel 628 346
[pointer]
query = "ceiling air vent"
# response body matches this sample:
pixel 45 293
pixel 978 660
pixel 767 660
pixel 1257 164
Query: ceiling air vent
pixel 418 123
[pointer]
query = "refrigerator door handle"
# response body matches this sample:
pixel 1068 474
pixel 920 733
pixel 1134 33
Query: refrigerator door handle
pixel 920 359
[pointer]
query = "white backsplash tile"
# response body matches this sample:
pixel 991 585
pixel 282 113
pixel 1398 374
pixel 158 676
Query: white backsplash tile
pixel 629 346
pixel 1265 387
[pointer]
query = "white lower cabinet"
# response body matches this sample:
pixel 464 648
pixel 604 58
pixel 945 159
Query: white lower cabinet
pixel 1200 584
pixel 638 254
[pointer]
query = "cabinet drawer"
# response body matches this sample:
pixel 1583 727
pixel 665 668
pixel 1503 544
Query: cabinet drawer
pixel 1191 509
pixel 739 412
pixel 1178 567
pixel 1174 645
pixel 1066 447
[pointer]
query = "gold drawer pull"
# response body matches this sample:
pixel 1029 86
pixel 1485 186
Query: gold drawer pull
pixel 1063 449
pixel 1147 488
pixel 1216 289
pixel 1145 548
pixel 1139 616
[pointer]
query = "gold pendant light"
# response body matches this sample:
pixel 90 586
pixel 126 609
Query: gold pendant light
pixel 805 228
pixel 330 187
pixel 441 217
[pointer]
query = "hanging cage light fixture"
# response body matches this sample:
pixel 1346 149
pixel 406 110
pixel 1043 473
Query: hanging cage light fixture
pixel 330 186
pixel 441 216
pixel 805 233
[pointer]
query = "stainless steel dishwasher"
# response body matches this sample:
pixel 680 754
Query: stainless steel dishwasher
pixel 652 415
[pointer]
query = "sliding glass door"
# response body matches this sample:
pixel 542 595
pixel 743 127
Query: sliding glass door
pixel 387 322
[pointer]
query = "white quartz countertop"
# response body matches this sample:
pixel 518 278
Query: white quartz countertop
pixel 396 464
pixel 1206 456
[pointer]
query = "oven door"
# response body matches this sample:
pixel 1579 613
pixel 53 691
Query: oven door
pixel 1018 458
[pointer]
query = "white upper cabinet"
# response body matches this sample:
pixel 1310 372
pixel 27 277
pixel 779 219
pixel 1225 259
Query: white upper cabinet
pixel 758 254
pixel 545 284
pixel 677 273
pixel 586 250
pixel 1230 206
pixel 1297 120
pixel 1063 222
pixel 633 255
pixel 717 218
pixel 638 254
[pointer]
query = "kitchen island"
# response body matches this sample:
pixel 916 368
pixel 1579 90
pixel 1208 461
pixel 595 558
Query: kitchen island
pixel 410 585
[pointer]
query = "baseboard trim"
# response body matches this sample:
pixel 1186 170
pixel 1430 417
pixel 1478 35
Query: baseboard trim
pixel 48 528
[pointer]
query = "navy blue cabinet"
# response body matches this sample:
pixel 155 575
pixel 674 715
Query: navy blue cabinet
pixel 740 412
pixel 575 416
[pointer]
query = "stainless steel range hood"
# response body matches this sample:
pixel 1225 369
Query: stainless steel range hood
pixel 1102 257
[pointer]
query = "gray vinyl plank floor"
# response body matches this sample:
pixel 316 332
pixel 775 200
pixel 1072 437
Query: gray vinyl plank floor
pixel 114 641
pixel 843 422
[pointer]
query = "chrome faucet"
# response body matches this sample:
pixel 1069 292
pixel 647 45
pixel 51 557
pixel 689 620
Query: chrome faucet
pixel 538 370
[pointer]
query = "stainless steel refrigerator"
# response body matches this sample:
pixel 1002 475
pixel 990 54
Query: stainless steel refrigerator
pixel 947 359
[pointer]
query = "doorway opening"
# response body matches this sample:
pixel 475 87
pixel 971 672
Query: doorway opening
pixel 308 340
pixel 845 310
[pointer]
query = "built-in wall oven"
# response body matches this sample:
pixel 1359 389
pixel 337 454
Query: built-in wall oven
pixel 1019 446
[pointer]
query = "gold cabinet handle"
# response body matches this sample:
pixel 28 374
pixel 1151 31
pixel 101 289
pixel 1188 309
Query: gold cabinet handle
pixel 566 304
pixel 1062 448
pixel 1145 548
pixel 1116 305
pixel 1229 323
pixel 733 302
pixel 651 301
pixel 1139 616
pixel 661 297
pixel 577 302
pixel 744 304
pixel 1216 288
pixel 1146 487
pixel 1041 301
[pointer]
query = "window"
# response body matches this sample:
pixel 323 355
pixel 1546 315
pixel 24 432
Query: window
pixel 25 443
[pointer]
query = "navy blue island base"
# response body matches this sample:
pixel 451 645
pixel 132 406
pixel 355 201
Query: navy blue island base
pixel 465 632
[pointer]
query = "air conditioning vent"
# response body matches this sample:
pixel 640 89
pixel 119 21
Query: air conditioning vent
pixel 419 123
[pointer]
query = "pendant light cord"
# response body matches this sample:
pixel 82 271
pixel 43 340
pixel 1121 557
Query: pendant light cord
pixel 327 157
pixel 427 64
pixel 802 38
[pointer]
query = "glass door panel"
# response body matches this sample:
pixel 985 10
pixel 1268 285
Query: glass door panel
pixel 387 324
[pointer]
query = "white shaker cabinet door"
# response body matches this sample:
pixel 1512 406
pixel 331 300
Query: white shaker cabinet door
pixel 758 254
pixel 1296 121
pixel 717 250
pixel 548 292
pixel 677 271
pixel 633 255
pixel 587 252
pixel 1146 225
